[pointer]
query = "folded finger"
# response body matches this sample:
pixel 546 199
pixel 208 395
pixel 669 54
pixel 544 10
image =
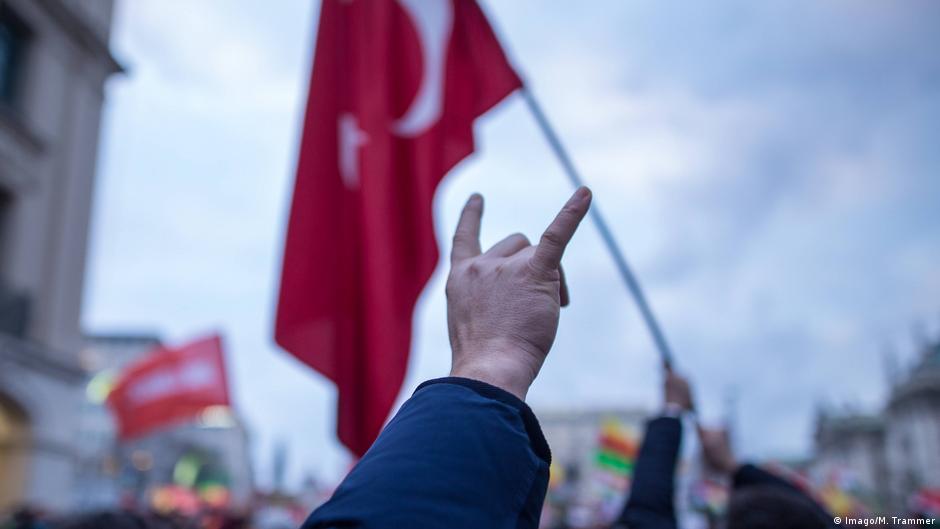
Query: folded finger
pixel 509 246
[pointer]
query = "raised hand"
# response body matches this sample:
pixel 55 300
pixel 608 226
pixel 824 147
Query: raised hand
pixel 677 392
pixel 503 305
pixel 716 449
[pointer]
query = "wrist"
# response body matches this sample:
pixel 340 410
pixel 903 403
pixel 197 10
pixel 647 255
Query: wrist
pixel 731 467
pixel 512 370
pixel 493 377
pixel 673 409
pixel 725 466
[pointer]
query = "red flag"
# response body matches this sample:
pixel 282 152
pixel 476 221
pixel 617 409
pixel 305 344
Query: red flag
pixel 169 386
pixel 396 86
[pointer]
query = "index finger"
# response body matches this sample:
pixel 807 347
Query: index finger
pixel 467 236
pixel 552 245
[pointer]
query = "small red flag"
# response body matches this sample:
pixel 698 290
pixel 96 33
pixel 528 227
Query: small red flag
pixel 395 88
pixel 169 386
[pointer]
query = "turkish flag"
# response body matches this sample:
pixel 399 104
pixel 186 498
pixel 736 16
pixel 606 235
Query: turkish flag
pixel 395 88
pixel 169 386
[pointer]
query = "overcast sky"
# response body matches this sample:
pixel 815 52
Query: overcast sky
pixel 770 169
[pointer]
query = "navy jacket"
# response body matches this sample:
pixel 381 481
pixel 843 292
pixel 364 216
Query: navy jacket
pixel 459 454
pixel 652 492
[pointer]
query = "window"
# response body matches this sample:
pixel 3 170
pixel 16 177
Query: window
pixel 14 306
pixel 13 36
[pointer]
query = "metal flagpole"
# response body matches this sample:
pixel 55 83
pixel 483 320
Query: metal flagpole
pixel 664 352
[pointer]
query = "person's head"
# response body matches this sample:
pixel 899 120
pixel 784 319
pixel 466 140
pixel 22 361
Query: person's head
pixel 769 507
pixel 24 515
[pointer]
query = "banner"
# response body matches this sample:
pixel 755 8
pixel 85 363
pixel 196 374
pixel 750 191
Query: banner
pixel 169 386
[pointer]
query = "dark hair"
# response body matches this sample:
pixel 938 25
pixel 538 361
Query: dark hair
pixel 768 507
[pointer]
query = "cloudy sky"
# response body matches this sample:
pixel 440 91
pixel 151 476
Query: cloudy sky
pixel 770 168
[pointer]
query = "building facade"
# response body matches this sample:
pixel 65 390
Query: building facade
pixel 98 461
pixel 54 61
pixel 912 430
pixel 850 451
pixel 211 451
pixel 887 459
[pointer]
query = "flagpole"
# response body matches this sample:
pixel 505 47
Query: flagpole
pixel 625 272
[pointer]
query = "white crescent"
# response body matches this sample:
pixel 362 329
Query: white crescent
pixel 433 21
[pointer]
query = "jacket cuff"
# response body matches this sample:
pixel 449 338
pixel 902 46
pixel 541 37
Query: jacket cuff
pixel 489 391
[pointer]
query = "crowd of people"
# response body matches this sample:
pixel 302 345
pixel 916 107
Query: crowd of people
pixel 25 518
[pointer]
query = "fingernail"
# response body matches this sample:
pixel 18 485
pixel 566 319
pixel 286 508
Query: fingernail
pixel 583 193
pixel 475 199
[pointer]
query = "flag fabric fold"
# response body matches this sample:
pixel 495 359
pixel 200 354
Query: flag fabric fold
pixel 395 88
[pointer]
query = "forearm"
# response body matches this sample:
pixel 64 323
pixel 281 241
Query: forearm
pixel 652 489
pixel 459 454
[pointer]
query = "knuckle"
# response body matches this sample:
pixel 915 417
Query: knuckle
pixel 552 238
pixel 475 268
pixel 534 269
pixel 571 209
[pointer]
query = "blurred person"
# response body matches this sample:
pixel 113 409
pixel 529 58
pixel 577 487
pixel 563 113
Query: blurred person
pixel 124 520
pixel 25 518
pixel 759 500
pixel 466 451
pixel 235 521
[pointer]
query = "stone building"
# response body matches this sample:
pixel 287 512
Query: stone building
pixel 98 462
pixel 887 458
pixel 912 429
pixel 212 449
pixel 850 450
pixel 54 62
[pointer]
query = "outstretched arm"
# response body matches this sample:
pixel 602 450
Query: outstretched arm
pixel 652 490
pixel 460 453
pixel 716 448
pixel 466 451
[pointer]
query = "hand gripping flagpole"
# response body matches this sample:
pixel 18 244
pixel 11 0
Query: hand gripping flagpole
pixel 632 284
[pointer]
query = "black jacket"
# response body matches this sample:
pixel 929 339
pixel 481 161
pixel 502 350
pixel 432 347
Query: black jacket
pixel 652 491
pixel 459 454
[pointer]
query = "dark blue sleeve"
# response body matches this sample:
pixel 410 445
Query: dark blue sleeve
pixel 652 491
pixel 459 454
